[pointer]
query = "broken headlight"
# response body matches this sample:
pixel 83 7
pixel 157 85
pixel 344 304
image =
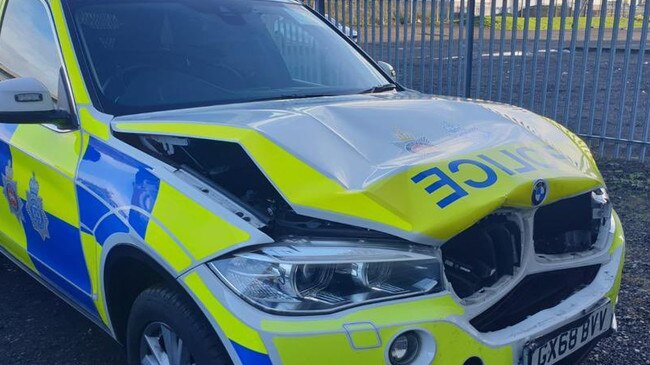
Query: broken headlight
pixel 310 277
pixel 601 208
pixel 573 225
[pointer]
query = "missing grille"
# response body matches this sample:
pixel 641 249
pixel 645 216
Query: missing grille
pixel 482 255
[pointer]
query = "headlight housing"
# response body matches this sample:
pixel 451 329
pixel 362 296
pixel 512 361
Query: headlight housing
pixel 602 210
pixel 302 277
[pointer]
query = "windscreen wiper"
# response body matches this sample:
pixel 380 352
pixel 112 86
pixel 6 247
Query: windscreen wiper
pixel 380 89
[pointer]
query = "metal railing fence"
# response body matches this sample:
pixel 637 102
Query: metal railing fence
pixel 584 63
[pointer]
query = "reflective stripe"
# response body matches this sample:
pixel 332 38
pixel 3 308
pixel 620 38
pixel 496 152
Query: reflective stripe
pixel 619 236
pixel 91 208
pixel 380 316
pixel 77 294
pixel 44 163
pixel 298 182
pixel 250 357
pixel 234 329
pixel 120 181
pixel 117 192
pixel 55 253
pixel 198 229
pixel 450 193
pixel 54 188
pixel 69 58
pixel 452 344
pixel 58 150
pixel 108 227
pixel 92 252
pixel 398 202
pixel 167 247
pixel 93 126
pixel 13 236
pixel 618 244
pixel 7 131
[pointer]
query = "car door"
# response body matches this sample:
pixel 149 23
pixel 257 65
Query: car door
pixel 39 217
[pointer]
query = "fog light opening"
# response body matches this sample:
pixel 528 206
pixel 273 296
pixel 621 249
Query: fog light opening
pixel 473 361
pixel 405 348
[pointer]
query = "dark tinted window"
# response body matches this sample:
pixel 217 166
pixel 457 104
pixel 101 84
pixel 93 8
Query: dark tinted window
pixel 28 44
pixel 147 55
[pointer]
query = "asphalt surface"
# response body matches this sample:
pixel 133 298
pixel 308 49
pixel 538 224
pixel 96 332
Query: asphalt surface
pixel 36 327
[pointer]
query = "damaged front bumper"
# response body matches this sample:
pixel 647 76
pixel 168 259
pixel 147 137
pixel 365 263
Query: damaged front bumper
pixel 363 335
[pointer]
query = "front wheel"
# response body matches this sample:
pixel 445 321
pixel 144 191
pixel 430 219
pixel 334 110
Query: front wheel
pixel 165 328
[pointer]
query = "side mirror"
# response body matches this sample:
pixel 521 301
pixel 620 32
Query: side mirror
pixel 28 101
pixel 388 68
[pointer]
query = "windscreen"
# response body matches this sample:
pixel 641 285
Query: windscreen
pixel 152 55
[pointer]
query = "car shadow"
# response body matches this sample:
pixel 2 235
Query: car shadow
pixel 37 327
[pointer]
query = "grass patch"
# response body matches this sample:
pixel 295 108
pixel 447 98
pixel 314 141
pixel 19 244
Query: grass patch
pixel 543 23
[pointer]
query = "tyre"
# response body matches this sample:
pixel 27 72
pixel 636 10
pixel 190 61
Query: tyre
pixel 166 328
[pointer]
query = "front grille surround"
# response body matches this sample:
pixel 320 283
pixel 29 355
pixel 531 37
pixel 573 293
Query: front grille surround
pixel 533 294
pixel 488 253
pixel 574 225
pixel 531 264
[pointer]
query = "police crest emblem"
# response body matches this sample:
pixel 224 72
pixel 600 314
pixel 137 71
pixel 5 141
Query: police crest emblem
pixel 11 192
pixel 35 209
pixel 410 144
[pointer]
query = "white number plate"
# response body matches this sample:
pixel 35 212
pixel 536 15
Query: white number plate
pixel 554 347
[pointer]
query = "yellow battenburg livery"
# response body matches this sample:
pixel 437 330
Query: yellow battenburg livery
pixel 204 212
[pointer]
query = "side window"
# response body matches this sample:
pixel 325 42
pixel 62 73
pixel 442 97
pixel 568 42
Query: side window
pixel 28 44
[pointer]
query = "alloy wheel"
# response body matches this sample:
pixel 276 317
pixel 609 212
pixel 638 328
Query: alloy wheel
pixel 161 345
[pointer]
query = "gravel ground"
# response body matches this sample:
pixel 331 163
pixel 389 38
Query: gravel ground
pixel 629 185
pixel 36 327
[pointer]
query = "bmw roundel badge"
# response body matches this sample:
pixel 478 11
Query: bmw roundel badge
pixel 540 192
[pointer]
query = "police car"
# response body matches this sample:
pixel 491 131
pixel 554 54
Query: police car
pixel 234 181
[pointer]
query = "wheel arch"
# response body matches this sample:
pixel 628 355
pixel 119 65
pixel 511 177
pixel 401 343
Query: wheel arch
pixel 123 258
pixel 127 270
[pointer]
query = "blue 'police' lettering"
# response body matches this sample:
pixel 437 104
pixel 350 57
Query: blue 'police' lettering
pixel 490 179
pixel 496 164
pixel 525 153
pixel 444 180
pixel 555 153
pixel 525 157
pixel 525 165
